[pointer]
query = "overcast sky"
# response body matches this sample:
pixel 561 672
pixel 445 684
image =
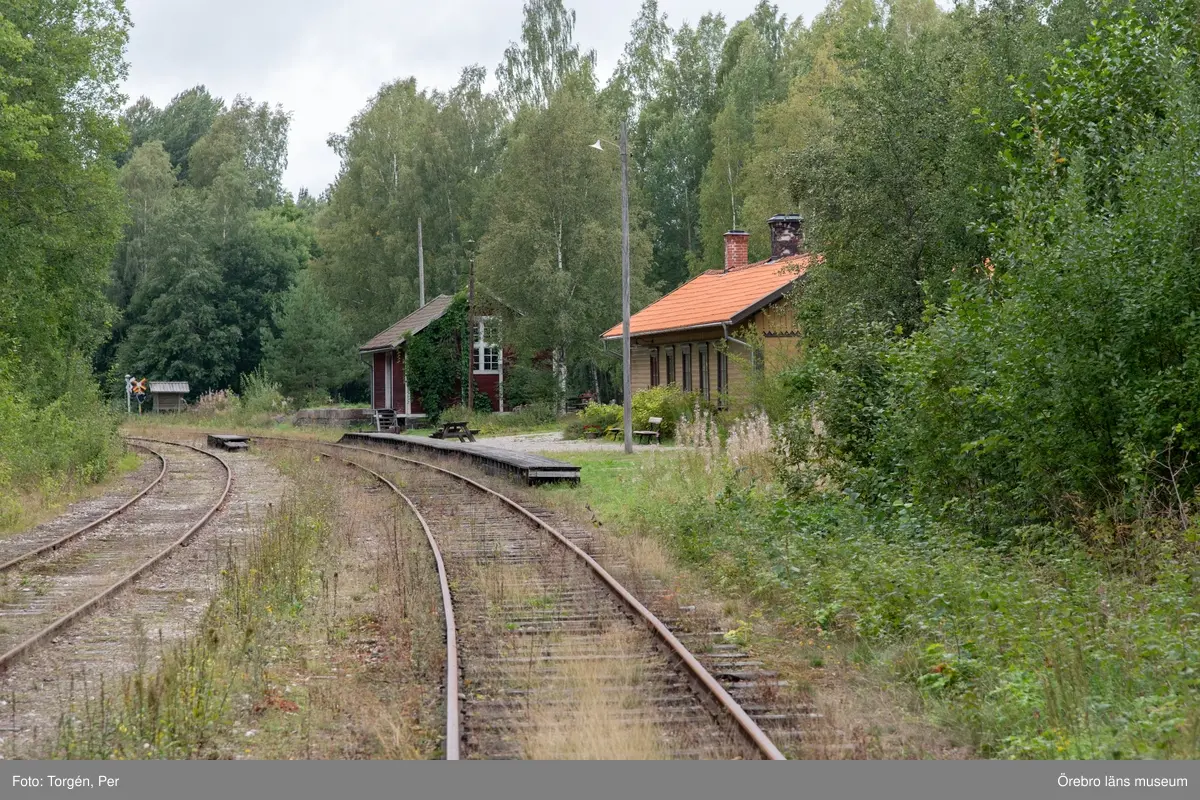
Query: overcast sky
pixel 324 60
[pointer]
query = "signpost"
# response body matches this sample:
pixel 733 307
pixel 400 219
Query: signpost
pixel 138 387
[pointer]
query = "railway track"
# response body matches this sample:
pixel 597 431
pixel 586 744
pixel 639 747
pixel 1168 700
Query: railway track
pixel 557 658
pixel 47 587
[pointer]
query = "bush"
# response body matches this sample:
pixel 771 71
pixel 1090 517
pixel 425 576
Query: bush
pixel 595 418
pixel 48 449
pixel 526 384
pixel 668 402
pixel 261 395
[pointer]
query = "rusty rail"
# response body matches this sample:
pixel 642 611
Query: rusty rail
pixel 57 543
pixel 90 605
pixel 453 715
pixel 748 727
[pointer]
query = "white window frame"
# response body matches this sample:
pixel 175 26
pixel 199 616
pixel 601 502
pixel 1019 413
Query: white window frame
pixel 484 349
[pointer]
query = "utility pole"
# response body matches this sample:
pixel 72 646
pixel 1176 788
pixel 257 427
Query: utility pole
pixel 626 367
pixel 420 263
pixel 471 334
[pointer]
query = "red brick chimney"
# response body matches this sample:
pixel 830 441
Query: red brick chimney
pixel 737 250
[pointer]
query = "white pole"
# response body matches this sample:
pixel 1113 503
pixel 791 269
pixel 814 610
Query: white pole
pixel 626 366
pixel 128 394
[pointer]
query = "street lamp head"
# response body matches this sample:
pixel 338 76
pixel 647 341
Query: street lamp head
pixel 597 146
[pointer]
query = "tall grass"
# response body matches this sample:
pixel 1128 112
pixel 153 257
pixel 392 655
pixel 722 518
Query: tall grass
pixel 50 450
pixel 1041 648
pixel 183 708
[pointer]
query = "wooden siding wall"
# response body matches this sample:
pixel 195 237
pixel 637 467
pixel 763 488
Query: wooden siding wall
pixel 169 402
pixel 781 339
pixel 739 361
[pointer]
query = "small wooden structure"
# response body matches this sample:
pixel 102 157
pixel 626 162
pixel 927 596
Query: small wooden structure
pixel 169 395
pixel 228 441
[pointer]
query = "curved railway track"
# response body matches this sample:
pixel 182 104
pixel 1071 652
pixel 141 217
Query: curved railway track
pixel 45 589
pixel 548 641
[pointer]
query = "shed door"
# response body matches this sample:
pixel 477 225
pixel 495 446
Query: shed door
pixel 387 380
pixel 378 384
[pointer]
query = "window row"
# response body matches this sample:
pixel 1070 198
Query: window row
pixel 685 362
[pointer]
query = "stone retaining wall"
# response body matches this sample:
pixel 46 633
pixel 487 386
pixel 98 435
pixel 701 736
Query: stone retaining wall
pixel 333 417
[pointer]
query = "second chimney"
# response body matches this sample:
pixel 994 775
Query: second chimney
pixel 787 235
pixel 737 250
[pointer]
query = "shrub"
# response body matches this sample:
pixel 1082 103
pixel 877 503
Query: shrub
pixel 667 402
pixel 217 401
pixel 598 417
pixel 261 395
pixel 46 449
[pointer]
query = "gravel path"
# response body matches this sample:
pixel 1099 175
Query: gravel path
pixel 555 443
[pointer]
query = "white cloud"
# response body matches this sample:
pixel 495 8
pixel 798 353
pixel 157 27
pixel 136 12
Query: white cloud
pixel 323 61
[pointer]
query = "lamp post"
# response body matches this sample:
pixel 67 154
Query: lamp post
pixel 626 376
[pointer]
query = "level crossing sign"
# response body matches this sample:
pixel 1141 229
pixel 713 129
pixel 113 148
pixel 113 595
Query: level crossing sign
pixel 134 387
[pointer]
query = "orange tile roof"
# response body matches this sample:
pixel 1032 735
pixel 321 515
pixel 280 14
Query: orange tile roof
pixel 716 297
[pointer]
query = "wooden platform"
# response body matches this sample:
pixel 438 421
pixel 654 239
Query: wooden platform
pixel 228 441
pixel 524 467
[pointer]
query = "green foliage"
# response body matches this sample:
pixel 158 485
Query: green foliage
pixel 535 68
pixel 552 249
pixel 1036 650
pixel 599 416
pixel 261 395
pixel 672 144
pixel 1068 381
pixel 182 123
pixel 668 402
pixel 60 216
pixel 183 331
pixel 435 363
pixel 50 448
pixel 410 155
pixel 593 420
pixel 526 383
pixel 313 353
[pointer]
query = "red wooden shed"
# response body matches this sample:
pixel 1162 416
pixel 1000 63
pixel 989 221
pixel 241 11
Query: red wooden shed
pixel 392 398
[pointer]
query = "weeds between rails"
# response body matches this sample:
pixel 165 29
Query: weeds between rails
pixel 701 679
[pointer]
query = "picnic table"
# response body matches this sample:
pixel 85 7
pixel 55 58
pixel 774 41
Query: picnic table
pixel 455 430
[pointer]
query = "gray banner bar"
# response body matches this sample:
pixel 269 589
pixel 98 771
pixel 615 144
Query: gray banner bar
pixel 344 780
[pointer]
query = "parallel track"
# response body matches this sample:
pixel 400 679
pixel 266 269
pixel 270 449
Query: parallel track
pixel 98 553
pixel 587 603
pixel 75 534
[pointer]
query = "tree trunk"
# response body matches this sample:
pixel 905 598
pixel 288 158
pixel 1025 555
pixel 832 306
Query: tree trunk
pixel 560 372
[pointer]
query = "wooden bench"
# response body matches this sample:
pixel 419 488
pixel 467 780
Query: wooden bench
pixel 653 432
pixel 580 402
pixel 455 430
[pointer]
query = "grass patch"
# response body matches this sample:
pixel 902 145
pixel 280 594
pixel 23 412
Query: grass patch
pixel 1033 650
